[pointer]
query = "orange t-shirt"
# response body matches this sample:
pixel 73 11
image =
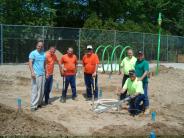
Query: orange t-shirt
pixel 89 63
pixel 50 60
pixel 69 63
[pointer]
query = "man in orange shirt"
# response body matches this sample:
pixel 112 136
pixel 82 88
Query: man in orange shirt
pixel 69 69
pixel 50 60
pixel 90 64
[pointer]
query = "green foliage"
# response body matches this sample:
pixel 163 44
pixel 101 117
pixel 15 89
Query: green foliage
pixel 110 25
pixel 93 22
pixel 29 12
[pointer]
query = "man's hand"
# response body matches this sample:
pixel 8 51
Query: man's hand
pixel 61 73
pixel 119 73
pixel 47 75
pixel 139 79
pixel 33 75
pixel 134 96
pixel 64 69
pixel 94 74
pixel 119 91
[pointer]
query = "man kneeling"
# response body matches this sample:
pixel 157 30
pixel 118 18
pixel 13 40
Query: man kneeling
pixel 135 91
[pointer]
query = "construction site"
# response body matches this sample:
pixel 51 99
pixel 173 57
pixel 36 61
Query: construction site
pixel 75 118
pixel 83 118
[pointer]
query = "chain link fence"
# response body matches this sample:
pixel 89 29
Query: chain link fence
pixel 16 42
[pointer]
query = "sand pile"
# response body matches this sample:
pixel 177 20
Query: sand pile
pixel 19 123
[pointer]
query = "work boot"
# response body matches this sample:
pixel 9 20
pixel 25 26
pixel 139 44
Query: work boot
pixel 40 106
pixel 75 98
pixel 63 100
pixel 33 109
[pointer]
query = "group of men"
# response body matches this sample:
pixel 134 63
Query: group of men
pixel 41 64
pixel 135 82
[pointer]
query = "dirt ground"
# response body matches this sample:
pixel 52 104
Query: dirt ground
pixel 166 93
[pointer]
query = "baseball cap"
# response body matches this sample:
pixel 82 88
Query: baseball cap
pixel 140 52
pixel 89 47
pixel 132 73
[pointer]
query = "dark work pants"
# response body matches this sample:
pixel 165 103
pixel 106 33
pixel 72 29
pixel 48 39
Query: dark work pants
pixel 72 81
pixel 146 99
pixel 89 82
pixel 48 87
pixel 135 106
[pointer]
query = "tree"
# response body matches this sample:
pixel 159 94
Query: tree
pixel 93 22
pixel 28 12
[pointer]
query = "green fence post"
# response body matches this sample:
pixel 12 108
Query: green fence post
pixel 158 49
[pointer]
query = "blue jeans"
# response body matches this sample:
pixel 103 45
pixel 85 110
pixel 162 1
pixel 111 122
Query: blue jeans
pixel 135 104
pixel 48 87
pixel 72 81
pixel 146 99
pixel 89 82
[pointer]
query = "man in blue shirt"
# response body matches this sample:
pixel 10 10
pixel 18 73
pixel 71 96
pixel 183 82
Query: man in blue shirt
pixel 37 68
pixel 142 70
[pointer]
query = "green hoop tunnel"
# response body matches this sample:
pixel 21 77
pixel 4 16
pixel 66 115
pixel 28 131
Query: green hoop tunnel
pixel 96 52
pixel 103 54
pixel 113 55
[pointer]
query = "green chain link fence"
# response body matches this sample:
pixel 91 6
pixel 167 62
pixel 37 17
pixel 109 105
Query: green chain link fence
pixel 16 42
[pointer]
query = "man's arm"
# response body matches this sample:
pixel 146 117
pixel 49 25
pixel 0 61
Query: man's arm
pixel 31 69
pixel 62 68
pixel 146 71
pixel 124 89
pixel 96 67
pixel 76 63
pixel 121 66
pixel 143 76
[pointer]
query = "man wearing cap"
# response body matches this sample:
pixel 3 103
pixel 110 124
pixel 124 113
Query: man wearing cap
pixel 90 63
pixel 127 64
pixel 142 69
pixel 68 71
pixel 134 89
